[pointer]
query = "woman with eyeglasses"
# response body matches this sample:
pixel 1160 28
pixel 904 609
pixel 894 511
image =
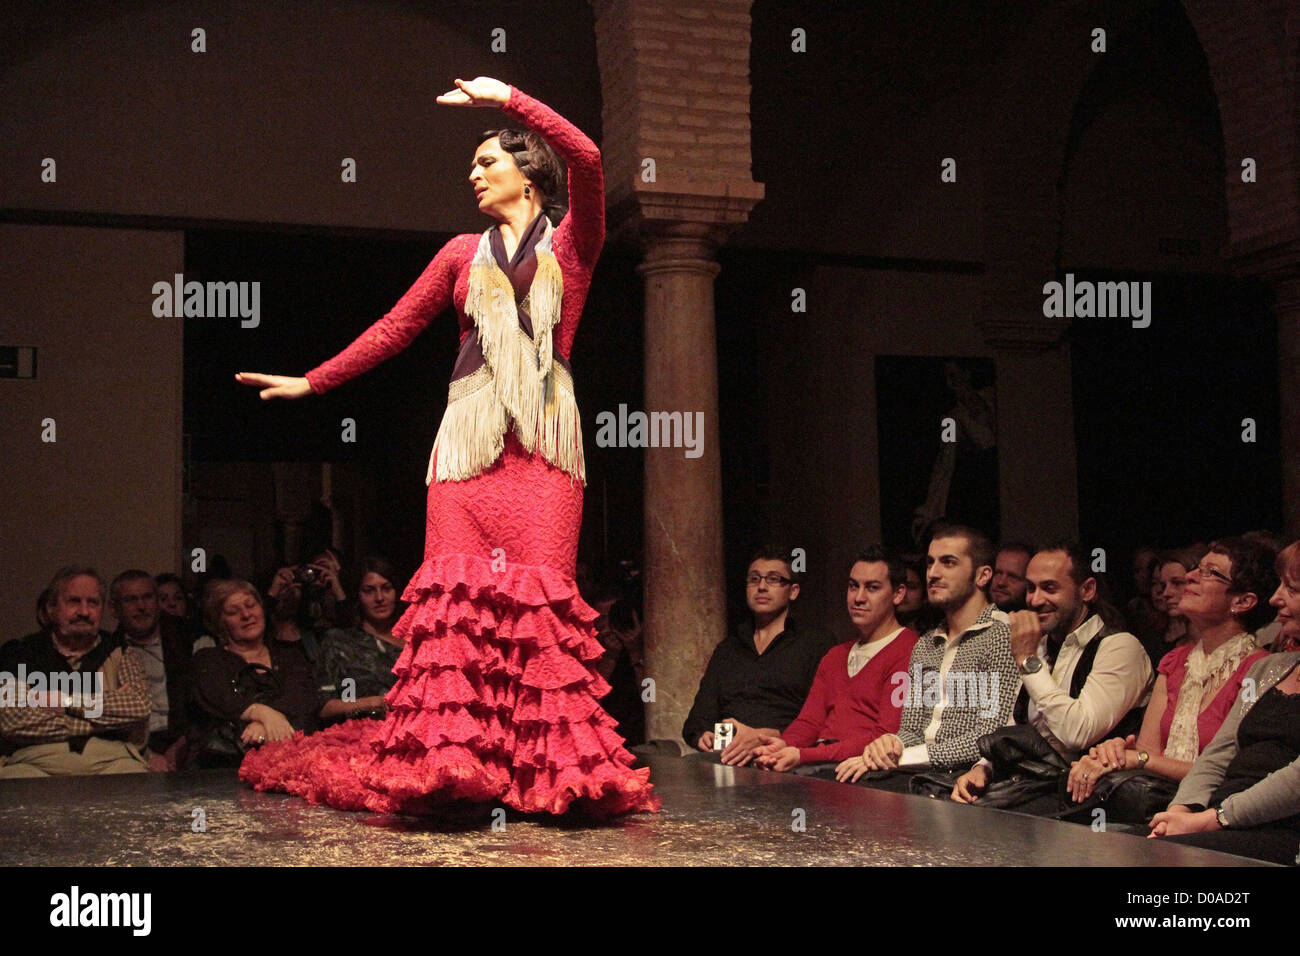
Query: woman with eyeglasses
pixel 1225 599
pixel 1242 794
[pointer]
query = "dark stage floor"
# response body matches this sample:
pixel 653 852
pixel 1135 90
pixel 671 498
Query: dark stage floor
pixel 712 815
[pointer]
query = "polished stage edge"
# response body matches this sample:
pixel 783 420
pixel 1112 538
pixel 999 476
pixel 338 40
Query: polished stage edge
pixel 712 816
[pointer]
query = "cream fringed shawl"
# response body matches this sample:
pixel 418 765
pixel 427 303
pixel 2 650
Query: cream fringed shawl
pixel 520 380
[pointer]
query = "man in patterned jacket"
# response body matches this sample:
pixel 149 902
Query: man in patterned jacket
pixel 71 700
pixel 961 682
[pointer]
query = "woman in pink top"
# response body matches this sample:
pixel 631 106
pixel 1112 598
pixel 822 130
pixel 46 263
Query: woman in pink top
pixel 1225 600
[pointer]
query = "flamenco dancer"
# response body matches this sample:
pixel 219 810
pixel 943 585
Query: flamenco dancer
pixel 496 691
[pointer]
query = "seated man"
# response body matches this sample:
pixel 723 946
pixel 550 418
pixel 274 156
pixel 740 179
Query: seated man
pixel 1009 586
pixel 852 700
pixel 76 702
pixel 164 654
pixel 1084 680
pixel 961 681
pixel 759 676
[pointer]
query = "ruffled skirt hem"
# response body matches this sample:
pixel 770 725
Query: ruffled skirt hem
pixel 496 699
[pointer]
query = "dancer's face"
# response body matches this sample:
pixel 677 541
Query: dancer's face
pixel 496 179
pixel 378 598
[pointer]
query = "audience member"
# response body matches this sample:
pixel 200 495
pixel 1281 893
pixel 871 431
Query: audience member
pixel 42 619
pixel 1242 795
pixel 1008 587
pixel 308 601
pixel 915 611
pixel 1198 682
pixel 355 665
pixel 82 703
pixel 1168 581
pixel 620 632
pixel 174 601
pixel 760 675
pixel 1083 679
pixel 152 636
pixel 852 700
pixel 962 680
pixel 249 690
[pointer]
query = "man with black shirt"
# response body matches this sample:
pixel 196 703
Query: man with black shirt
pixel 759 676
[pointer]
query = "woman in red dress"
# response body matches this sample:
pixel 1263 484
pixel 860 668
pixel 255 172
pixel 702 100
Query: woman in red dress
pixel 496 692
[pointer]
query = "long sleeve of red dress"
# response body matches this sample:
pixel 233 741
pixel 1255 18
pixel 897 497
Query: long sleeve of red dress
pixel 576 243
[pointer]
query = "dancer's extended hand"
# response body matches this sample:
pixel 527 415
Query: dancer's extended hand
pixel 480 91
pixel 275 386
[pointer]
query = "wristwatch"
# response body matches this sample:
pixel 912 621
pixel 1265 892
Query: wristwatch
pixel 1143 757
pixel 1032 665
pixel 1223 820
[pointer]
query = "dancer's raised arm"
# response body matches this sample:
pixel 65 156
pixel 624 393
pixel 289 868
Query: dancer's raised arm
pixel 584 227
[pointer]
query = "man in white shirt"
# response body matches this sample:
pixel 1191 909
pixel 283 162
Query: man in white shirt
pixel 1083 680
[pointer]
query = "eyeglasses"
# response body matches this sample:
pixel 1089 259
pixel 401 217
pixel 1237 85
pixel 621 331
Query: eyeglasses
pixel 773 580
pixel 1205 571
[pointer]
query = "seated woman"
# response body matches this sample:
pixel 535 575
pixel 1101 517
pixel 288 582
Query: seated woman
pixel 248 690
pixel 354 665
pixel 173 600
pixel 1242 795
pixel 1168 629
pixel 1198 682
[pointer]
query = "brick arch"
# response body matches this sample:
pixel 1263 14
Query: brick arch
pixel 1253 52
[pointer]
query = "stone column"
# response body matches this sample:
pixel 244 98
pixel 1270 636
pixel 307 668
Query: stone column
pixel 675 147
pixel 685 600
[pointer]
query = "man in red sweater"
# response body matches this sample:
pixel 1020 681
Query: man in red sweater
pixel 852 700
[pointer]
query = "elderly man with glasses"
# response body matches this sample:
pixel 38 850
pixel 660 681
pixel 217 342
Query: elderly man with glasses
pixel 759 676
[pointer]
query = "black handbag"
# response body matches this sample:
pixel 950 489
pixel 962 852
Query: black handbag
pixel 1025 768
pixel 219 744
pixel 1133 796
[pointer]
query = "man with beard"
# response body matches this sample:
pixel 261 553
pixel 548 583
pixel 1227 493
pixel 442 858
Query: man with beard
pixel 1009 585
pixel 81 704
pixel 165 656
pixel 1084 681
pixel 961 680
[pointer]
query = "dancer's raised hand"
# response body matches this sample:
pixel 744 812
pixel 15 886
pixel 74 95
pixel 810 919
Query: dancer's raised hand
pixel 480 91
pixel 275 386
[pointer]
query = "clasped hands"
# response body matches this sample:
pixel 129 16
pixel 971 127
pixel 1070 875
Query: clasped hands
pixel 744 742
pixel 883 753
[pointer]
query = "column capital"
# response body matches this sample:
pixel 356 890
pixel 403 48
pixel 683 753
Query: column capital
pixel 681 247
pixel 650 207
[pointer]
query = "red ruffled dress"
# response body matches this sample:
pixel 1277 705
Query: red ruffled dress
pixel 496 696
